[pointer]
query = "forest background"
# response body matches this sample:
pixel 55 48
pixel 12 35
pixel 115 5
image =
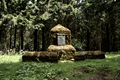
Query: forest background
pixel 94 24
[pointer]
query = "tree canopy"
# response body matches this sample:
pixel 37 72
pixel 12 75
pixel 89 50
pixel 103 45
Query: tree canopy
pixel 25 24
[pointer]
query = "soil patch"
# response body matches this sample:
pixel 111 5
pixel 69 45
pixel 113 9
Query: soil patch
pixel 84 69
pixel 103 74
pixel 118 75
pixel 88 74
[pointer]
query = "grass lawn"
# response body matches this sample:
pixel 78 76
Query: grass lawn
pixel 12 68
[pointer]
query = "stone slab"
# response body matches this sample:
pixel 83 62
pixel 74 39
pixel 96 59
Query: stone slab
pixel 82 55
pixel 40 56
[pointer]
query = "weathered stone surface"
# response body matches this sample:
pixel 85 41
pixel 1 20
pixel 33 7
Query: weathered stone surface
pixel 64 52
pixel 29 56
pixel 58 48
pixel 64 49
pixel 40 56
pixel 82 55
pixel 59 29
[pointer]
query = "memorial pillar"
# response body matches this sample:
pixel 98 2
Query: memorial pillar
pixel 60 42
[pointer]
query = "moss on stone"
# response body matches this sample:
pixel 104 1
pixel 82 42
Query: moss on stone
pixel 40 56
pixel 59 29
pixel 82 55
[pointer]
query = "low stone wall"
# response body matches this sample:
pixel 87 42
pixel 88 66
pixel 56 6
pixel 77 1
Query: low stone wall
pixel 82 55
pixel 55 56
pixel 40 56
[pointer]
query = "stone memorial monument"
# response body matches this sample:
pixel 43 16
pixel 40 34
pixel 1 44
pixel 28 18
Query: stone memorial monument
pixel 61 49
pixel 60 42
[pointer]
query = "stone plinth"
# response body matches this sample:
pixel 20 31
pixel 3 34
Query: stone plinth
pixel 65 52
pixel 60 42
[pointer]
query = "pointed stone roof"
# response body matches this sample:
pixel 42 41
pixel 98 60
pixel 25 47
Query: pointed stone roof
pixel 60 28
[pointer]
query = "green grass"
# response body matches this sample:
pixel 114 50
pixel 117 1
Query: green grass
pixel 11 68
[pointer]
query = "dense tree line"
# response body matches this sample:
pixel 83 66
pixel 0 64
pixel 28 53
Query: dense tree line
pixel 25 24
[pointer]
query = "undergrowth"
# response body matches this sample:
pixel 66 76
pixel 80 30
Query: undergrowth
pixel 12 68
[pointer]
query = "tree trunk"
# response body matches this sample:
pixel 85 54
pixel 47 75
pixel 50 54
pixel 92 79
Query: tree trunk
pixel 94 44
pixel 5 48
pixel 10 37
pixel 108 44
pixel 15 38
pixel 88 39
pixel 19 43
pixel 43 40
pixel 21 36
pixel 35 40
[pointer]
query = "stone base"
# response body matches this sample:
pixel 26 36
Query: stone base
pixel 82 55
pixel 64 52
pixel 40 56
